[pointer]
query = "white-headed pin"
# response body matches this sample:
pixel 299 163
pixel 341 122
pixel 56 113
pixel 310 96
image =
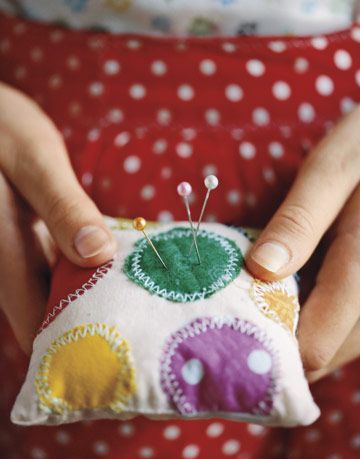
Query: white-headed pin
pixel 184 190
pixel 139 224
pixel 211 182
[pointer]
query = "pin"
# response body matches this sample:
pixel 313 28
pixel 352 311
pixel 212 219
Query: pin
pixel 211 182
pixel 139 224
pixel 184 190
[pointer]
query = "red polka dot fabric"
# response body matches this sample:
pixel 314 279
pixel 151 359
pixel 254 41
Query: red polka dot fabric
pixel 141 114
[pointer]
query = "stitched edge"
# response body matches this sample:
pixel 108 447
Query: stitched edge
pixel 91 282
pixel 138 275
pixel 50 404
pixel 168 379
pixel 256 291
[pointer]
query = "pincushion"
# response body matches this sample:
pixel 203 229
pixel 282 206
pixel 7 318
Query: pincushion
pixel 193 340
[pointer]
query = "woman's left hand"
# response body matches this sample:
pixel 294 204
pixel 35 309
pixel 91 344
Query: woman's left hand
pixel 326 193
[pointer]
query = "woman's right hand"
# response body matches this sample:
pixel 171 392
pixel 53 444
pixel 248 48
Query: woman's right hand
pixel 37 180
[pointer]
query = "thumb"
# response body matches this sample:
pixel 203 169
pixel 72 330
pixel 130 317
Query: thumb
pixel 312 204
pixel 42 173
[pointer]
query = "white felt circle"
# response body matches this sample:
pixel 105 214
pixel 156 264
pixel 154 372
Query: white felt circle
pixel 192 371
pixel 259 362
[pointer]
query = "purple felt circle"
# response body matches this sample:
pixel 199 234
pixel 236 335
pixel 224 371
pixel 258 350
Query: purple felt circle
pixel 219 365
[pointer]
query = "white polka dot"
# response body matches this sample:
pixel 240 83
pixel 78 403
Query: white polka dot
pixel 188 133
pixel 260 116
pixel 355 441
pixel 87 179
pixel 233 197
pixel 306 112
pixel 122 139
pixel 312 435
pixel 259 362
pixel 231 447
pixel 137 91
pixel 255 67
pixel 355 34
pixel 269 175
pixel 229 47
pixel 209 169
pixel 237 133
pixel 319 43
pixel 19 28
pixel 276 150
pixel 277 46
pixel 347 105
pixel 215 429
pixel 147 192
pixel 55 81
pixel 74 108
pixel 357 77
pixel 56 36
pixel 132 164
pixel 192 371
pixel 93 135
pixel 5 45
pixel 172 432
pixel 190 452
pixel 38 453
pixel 105 183
pixel 247 150
pixel 301 65
pixel 356 397
pixel 281 90
pixel 160 146
pixel 73 62
pixel 126 429
pixel 212 116
pixel 133 44
pixel 324 85
pixel 211 218
pixel 158 68
pixel 234 93
pixel 255 429
pixel 335 417
pixel 36 54
pixel 62 437
pixel 165 216
pixel 207 67
pixel 334 456
pixel 146 452
pixel 20 72
pixel 115 115
pixel 251 199
pixel 96 88
pixel 166 173
pixel 163 116
pixel 101 448
pixel 185 92
pixel 342 59
pixel 111 67
pixel 184 150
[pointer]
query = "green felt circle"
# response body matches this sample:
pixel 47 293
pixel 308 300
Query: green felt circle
pixel 185 279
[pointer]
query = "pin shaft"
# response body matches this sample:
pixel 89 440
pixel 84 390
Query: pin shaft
pixel 192 228
pixel 154 249
pixel 200 218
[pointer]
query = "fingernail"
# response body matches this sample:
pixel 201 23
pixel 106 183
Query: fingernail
pixel 90 241
pixel 271 256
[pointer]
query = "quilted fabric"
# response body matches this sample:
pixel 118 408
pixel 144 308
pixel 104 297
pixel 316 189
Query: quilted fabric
pixel 115 348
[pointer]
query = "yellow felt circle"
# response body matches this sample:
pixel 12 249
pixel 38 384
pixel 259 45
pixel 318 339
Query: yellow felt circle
pixel 275 302
pixel 88 367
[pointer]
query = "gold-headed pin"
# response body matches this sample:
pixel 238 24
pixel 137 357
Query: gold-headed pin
pixel 139 224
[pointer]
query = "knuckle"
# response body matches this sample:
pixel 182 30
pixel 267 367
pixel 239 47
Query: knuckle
pixel 297 220
pixel 317 358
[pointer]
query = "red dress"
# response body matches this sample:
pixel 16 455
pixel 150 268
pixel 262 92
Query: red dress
pixel 139 114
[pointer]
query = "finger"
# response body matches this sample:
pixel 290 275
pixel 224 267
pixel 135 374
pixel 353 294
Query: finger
pixel 39 167
pixel 23 287
pixel 348 352
pixel 323 185
pixel 333 307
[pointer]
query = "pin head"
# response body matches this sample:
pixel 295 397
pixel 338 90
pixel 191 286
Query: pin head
pixel 184 189
pixel 139 223
pixel 211 182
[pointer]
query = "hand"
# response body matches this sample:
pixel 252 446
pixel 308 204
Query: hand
pixel 326 192
pixel 36 179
